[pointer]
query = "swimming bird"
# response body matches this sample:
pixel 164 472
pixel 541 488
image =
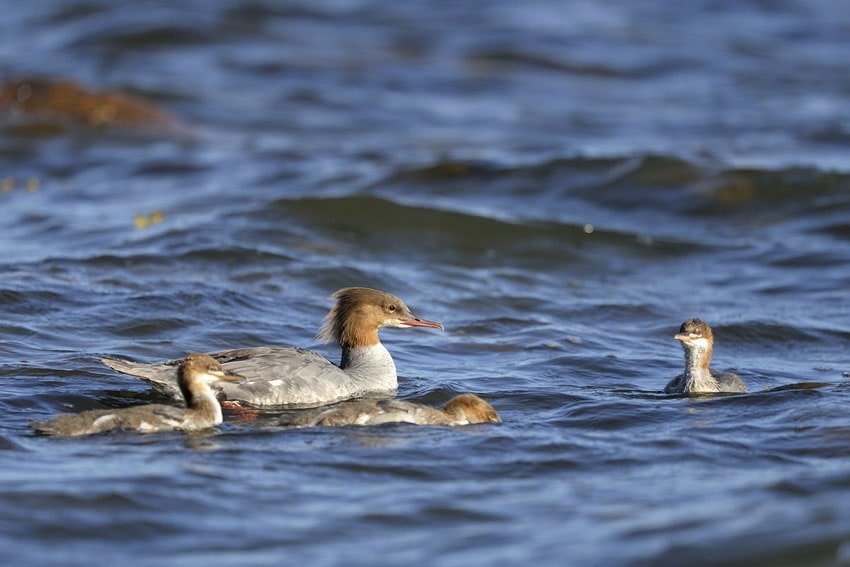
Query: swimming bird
pixel 288 376
pixel 196 373
pixel 698 341
pixel 460 410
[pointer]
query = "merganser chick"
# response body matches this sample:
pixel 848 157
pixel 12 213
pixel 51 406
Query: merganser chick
pixel 698 341
pixel 196 373
pixel 287 376
pixel 460 410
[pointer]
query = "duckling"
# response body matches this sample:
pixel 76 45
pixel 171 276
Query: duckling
pixel 196 373
pixel 698 341
pixel 463 409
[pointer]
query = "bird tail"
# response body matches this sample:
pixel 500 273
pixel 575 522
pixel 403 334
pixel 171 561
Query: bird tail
pixel 136 369
pixel 163 376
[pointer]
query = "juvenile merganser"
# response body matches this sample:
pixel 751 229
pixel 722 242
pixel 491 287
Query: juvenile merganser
pixel 283 376
pixel 460 410
pixel 698 341
pixel 196 373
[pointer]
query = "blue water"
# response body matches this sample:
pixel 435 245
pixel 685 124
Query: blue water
pixel 560 184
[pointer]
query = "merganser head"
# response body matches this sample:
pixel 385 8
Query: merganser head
pixel 359 312
pixel 469 408
pixel 695 335
pixel 198 371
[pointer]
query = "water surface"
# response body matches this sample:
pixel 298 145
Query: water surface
pixel 560 184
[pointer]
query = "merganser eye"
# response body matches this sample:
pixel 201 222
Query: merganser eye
pixel 391 308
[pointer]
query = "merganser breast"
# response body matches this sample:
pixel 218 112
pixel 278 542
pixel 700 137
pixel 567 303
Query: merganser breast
pixel 698 342
pixel 288 376
pixel 196 373
pixel 464 409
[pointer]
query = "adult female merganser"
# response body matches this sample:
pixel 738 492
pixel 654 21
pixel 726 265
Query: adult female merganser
pixel 279 376
pixel 460 410
pixel 196 373
pixel 698 340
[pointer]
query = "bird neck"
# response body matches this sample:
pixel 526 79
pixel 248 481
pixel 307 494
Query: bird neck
pixel 352 334
pixel 697 375
pixel 202 401
pixel 371 366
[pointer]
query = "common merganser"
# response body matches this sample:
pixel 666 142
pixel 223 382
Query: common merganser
pixel 196 373
pixel 287 376
pixel 698 341
pixel 460 410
